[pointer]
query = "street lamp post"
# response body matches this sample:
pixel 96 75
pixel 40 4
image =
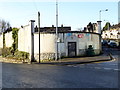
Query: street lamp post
pixel 100 13
pixel 99 27
pixel 56 55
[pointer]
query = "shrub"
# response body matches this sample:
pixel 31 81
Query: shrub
pixel 90 51
pixel 21 55
pixel 6 52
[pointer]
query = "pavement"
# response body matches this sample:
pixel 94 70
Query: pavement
pixel 80 60
pixel 66 61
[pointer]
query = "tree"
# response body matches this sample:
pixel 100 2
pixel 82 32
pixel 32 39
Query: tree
pixel 107 26
pixel 15 38
pixel 4 25
pixel 90 51
pixel 90 27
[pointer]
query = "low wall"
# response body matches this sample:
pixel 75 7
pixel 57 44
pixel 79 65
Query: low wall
pixel 44 56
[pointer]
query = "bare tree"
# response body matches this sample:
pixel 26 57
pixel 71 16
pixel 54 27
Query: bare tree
pixel 4 25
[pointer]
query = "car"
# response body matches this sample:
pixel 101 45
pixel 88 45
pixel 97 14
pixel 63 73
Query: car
pixel 112 44
pixel 104 43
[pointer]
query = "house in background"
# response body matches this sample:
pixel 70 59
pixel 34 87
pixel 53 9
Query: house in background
pixel 113 34
pixel 91 27
pixel 53 29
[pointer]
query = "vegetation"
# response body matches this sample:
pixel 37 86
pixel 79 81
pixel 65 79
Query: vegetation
pixel 90 27
pixel 4 25
pixel 107 26
pixel 21 55
pixel 90 51
pixel 4 40
pixel 15 40
pixel 6 52
pixel 13 50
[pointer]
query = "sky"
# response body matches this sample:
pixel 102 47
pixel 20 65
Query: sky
pixel 76 14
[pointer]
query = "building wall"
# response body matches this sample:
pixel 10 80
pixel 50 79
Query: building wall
pixel 24 38
pixel 48 46
pixel 112 34
pixel 1 43
pixel 8 39
pixel 28 41
pixel 1 40
pixel 83 42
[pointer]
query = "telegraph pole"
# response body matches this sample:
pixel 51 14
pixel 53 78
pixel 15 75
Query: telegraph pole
pixel 56 55
pixel 39 33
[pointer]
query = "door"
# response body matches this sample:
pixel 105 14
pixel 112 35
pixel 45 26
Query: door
pixel 71 49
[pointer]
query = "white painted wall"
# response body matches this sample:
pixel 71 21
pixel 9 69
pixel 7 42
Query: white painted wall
pixel 114 33
pixel 24 38
pixel 1 40
pixel 47 43
pixel 8 39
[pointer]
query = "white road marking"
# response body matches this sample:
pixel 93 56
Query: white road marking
pixel 98 68
pixel 107 68
pixel 116 69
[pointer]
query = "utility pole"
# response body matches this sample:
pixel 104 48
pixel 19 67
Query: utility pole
pixel 56 55
pixel 39 33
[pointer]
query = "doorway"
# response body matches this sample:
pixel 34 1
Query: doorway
pixel 72 49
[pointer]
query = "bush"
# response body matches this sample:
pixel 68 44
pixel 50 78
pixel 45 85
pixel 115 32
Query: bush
pixel 21 55
pixel 6 52
pixel 90 51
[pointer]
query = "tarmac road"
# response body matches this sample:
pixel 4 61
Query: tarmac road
pixel 93 75
pixel 96 75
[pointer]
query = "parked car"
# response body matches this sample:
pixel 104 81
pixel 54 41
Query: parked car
pixel 112 44
pixel 104 43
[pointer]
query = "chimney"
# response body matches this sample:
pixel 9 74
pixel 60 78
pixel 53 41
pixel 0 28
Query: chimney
pixel 52 25
pixel 99 26
pixel 61 25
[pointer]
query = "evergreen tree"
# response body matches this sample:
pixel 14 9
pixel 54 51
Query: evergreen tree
pixel 107 26
pixel 90 51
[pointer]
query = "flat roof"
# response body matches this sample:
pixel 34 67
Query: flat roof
pixel 68 32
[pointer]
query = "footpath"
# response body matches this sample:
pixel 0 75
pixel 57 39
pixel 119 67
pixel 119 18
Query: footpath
pixel 65 61
pixel 80 60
